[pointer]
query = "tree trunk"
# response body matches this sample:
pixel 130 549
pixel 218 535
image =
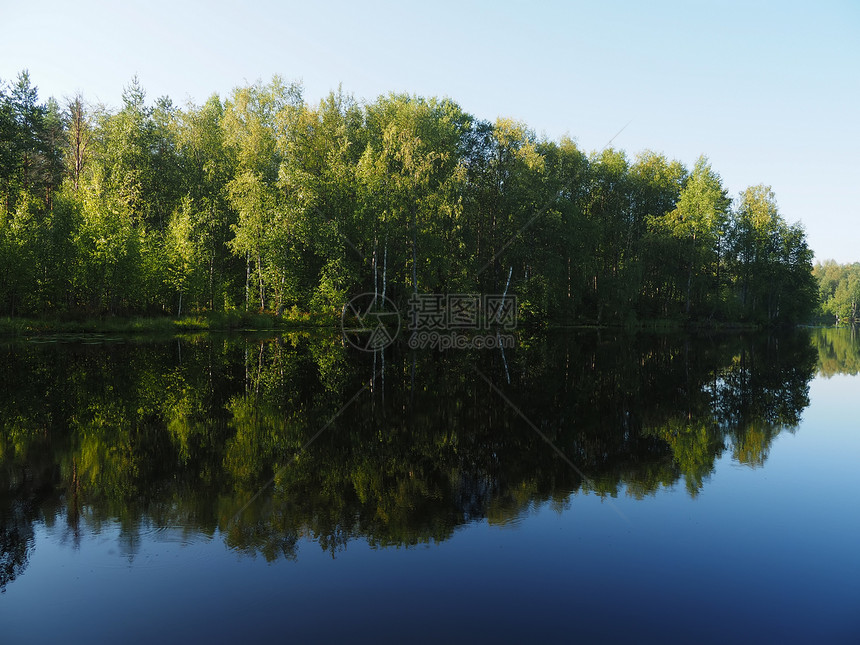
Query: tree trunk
pixel 385 269
pixel 375 274
pixel 260 274
pixel 247 279
pixel 414 252
pixel 689 287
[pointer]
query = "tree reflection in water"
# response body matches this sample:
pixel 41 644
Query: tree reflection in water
pixel 187 433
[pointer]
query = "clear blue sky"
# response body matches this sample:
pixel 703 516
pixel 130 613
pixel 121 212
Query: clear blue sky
pixel 768 90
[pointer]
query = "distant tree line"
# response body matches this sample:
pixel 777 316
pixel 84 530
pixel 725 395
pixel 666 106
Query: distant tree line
pixel 838 290
pixel 264 202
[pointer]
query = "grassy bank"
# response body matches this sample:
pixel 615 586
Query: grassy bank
pixel 254 321
pixel 218 321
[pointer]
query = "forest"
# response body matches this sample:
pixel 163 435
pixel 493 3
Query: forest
pixel 838 290
pixel 264 202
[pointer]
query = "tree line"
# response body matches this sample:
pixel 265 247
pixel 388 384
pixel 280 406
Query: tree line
pixel 838 290
pixel 261 201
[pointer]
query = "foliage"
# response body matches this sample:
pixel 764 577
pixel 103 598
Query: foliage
pixel 263 202
pixel 839 290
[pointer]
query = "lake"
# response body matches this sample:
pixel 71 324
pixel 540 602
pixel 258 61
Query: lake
pixel 578 487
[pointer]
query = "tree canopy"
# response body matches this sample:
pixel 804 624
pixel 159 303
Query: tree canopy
pixel 263 201
pixel 838 290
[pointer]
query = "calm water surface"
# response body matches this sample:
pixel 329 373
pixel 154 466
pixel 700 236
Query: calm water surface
pixel 580 488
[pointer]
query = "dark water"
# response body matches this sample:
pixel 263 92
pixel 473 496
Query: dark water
pixel 579 488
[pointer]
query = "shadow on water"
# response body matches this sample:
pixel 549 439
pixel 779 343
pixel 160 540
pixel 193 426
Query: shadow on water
pixel 186 433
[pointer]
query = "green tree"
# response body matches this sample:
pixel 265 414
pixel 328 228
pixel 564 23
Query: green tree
pixel 251 119
pixel 699 222
pixel 772 263
pixel 657 184
pixel 838 289
pixel 409 173
pixel 78 136
pixel 207 166
pixel 324 242
pixel 21 233
pixel 610 222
